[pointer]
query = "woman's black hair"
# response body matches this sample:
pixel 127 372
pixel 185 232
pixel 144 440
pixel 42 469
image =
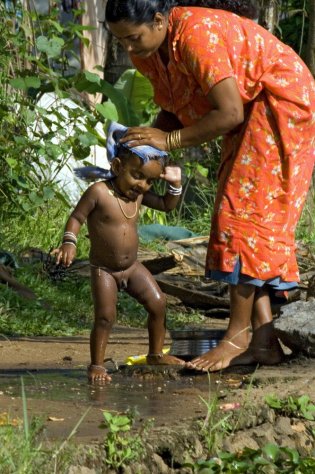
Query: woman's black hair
pixel 143 11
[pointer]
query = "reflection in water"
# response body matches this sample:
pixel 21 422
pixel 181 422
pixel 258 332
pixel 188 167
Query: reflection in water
pixel 152 395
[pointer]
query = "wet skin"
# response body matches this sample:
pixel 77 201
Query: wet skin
pixel 249 304
pixel 227 112
pixel 111 210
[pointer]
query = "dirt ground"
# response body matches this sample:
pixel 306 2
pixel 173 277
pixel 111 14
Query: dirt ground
pixel 56 389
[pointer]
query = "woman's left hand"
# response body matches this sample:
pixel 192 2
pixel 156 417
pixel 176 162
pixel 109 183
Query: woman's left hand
pixel 136 136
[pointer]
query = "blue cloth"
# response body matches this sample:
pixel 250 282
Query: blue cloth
pixel 149 232
pixel 115 132
pixel 236 277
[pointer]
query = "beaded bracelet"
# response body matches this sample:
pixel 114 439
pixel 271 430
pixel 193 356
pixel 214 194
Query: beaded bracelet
pixel 69 242
pixel 174 191
pixel 70 234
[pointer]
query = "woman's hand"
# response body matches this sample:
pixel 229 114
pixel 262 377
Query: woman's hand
pixel 65 254
pixel 173 175
pixel 136 136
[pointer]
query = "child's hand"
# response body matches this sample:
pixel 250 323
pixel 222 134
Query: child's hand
pixel 65 254
pixel 173 175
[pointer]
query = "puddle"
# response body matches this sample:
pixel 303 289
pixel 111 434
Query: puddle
pixel 151 397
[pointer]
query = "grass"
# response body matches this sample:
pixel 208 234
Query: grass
pixel 23 448
pixel 65 308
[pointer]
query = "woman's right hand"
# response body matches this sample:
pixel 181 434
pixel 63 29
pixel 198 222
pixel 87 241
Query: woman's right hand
pixel 137 136
pixel 65 254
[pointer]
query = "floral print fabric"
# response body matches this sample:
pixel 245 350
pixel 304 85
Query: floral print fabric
pixel 267 162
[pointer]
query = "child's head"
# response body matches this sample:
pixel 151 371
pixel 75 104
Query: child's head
pixel 121 152
pixel 133 176
pixel 134 169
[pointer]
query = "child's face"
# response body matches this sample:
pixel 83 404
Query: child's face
pixel 135 178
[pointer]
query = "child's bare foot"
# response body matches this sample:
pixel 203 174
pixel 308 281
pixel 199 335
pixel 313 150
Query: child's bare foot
pixel 164 359
pixel 97 374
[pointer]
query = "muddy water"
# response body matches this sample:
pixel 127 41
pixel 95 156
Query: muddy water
pixel 155 394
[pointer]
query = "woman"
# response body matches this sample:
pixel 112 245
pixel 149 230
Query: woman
pixel 217 73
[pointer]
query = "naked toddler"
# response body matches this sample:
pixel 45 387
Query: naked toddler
pixel 111 209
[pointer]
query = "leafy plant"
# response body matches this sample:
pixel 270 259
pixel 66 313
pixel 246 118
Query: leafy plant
pixel 215 426
pixel 35 141
pixel 270 459
pixel 301 407
pixel 121 445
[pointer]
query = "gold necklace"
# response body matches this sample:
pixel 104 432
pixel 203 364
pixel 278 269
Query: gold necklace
pixel 122 210
pixel 119 203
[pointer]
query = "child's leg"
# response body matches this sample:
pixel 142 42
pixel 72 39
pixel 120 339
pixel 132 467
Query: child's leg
pixel 264 347
pixel 235 342
pixel 104 292
pixel 143 287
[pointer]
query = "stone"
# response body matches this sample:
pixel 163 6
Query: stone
pixel 160 465
pixel 238 442
pixel 264 434
pixel 81 470
pixel 296 326
pixel 283 426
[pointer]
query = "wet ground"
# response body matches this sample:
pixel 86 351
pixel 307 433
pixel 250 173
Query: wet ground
pixel 54 376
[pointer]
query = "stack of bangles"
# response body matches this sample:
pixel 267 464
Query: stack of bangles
pixel 174 191
pixel 173 140
pixel 69 238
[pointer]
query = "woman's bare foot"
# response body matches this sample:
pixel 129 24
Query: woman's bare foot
pixel 164 359
pixel 97 374
pixel 268 355
pixel 221 357
pixel 224 355
pixel 228 352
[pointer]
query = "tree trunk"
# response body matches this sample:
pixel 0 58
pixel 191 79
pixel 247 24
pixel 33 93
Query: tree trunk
pixel 268 14
pixel 310 48
pixel 117 60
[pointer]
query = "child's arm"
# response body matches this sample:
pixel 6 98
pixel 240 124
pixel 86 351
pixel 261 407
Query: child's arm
pixel 173 177
pixel 66 253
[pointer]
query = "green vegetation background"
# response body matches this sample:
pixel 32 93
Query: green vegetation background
pixel 34 59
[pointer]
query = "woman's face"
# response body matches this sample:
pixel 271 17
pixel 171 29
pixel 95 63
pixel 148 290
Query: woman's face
pixel 140 40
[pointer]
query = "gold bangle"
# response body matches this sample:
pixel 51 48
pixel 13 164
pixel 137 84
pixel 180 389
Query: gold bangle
pixel 168 141
pixel 173 140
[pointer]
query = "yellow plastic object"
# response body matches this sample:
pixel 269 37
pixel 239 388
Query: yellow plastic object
pixel 141 359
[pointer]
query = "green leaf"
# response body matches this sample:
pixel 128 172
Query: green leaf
pixel 92 77
pixel 87 139
pixel 292 454
pixel 126 114
pixel 52 47
pixel 48 193
pixel 271 451
pixel 108 110
pixel 56 25
pixel 136 88
pixel 26 82
pixel 35 198
pixel 11 162
pixel 273 401
pixel 108 416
